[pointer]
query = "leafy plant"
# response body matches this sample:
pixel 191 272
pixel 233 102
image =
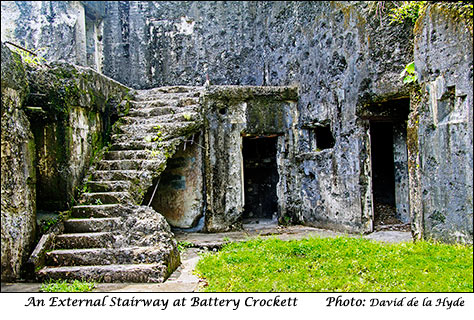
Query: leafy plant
pixel 183 245
pixel 285 220
pixel 65 286
pixel 82 189
pixel 409 74
pixel 29 56
pixel 153 154
pixel 187 116
pixel 158 136
pixel 45 225
pixel 466 10
pixel 408 11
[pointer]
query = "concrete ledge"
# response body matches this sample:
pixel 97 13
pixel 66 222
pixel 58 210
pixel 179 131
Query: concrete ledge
pixel 246 92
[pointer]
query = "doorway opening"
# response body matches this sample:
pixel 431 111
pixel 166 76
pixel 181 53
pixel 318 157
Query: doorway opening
pixel 260 178
pixel 383 178
pixel 389 160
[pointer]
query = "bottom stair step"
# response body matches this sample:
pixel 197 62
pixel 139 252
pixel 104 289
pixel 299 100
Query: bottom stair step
pixel 103 256
pixel 154 272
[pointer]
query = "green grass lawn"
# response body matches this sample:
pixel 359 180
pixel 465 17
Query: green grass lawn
pixel 337 265
pixel 67 286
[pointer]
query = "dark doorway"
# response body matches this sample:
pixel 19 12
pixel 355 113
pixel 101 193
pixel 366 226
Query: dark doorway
pixel 383 176
pixel 389 163
pixel 260 177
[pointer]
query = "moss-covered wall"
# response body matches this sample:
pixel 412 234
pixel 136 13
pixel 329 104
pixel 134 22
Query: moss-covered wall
pixel 18 178
pixel 73 108
pixel 54 120
pixel 343 56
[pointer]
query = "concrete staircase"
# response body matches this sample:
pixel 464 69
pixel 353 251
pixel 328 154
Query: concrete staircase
pixel 111 236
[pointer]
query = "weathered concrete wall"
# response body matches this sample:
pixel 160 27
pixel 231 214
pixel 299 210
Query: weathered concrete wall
pixel 18 170
pixel 46 25
pixel 343 57
pixel 61 30
pixel 230 113
pixel 443 60
pixel 250 43
pixel 339 54
pixel 53 121
pixel 180 194
pixel 74 110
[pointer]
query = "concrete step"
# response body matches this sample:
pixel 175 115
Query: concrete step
pixel 136 145
pixel 153 121
pixel 84 240
pixel 171 99
pixel 133 164
pixel 127 154
pixel 101 211
pixel 106 256
pixel 156 129
pixel 116 175
pixel 157 103
pixel 150 109
pixel 106 197
pixel 165 100
pixel 91 225
pixel 129 144
pixel 105 186
pixel 167 93
pixel 147 136
pixel 153 272
pixel 172 89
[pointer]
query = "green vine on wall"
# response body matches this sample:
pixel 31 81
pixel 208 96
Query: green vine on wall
pixel 408 11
